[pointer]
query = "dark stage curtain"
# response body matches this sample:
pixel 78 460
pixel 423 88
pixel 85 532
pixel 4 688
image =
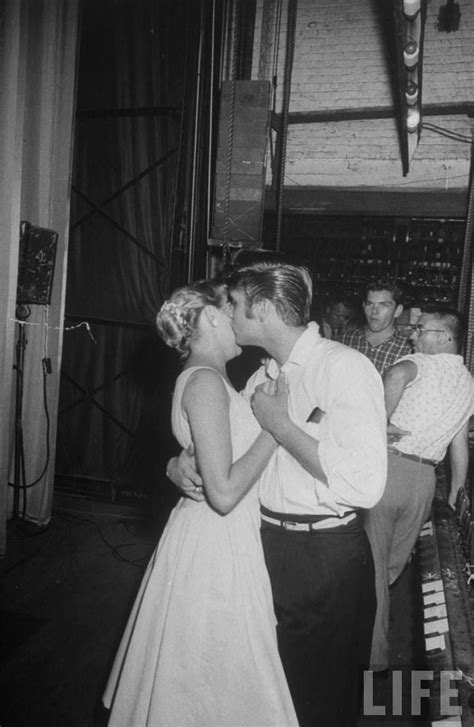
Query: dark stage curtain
pixel 38 42
pixel 114 414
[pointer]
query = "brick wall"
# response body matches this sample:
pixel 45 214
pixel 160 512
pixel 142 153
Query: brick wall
pixel 340 62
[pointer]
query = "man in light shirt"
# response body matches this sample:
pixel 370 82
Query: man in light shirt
pixel 323 403
pixel 429 400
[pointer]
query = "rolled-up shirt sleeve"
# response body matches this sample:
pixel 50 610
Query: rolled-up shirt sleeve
pixel 353 440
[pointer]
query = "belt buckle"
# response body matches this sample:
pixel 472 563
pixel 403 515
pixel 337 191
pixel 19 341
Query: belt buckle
pixel 289 525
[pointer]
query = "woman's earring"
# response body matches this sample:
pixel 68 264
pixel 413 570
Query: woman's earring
pixel 213 322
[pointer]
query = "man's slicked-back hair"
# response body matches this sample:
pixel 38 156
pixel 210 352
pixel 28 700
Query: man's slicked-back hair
pixel 288 287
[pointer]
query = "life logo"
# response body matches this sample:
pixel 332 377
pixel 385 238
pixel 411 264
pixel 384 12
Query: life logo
pixel 402 694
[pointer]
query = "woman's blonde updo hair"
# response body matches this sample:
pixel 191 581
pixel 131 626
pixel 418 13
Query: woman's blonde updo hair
pixel 177 320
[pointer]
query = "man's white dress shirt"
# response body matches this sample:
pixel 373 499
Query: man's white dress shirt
pixel 348 393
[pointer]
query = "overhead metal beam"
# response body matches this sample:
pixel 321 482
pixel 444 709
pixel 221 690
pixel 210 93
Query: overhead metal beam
pixel 143 111
pixel 370 201
pixel 461 108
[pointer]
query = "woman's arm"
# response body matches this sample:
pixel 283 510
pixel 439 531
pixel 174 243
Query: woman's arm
pixel 206 403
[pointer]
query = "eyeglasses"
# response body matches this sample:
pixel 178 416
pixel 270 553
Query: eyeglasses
pixel 418 328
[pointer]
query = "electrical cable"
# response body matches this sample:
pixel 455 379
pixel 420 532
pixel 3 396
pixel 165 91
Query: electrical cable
pixel 48 428
pixel 25 486
pixel 446 132
pixel 115 549
pixel 20 484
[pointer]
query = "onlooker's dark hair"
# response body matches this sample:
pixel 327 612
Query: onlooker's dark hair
pixel 347 300
pixel 389 284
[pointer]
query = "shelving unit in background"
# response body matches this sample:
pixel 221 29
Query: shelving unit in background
pixel 346 253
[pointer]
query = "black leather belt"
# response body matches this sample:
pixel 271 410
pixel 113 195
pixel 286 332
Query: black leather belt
pixel 305 523
pixel 413 457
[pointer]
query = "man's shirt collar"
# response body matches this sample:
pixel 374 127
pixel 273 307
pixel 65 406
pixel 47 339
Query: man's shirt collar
pixel 299 352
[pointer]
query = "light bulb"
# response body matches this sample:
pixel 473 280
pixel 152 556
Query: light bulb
pixel 413 120
pixel 411 93
pixel 411 8
pixel 410 53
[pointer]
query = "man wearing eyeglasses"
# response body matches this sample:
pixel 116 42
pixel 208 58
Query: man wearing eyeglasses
pixel 429 399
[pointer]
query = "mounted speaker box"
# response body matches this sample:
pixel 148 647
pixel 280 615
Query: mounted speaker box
pixel 36 264
pixel 240 165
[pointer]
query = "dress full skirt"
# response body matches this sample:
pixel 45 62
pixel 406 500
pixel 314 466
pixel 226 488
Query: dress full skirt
pixel 200 645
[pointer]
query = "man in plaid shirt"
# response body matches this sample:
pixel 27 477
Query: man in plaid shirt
pixel 379 339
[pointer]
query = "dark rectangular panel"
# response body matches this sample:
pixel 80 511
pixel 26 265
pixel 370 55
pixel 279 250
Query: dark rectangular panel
pixel 36 264
pixel 240 169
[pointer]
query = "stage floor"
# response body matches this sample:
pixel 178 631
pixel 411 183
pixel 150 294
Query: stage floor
pixel 66 595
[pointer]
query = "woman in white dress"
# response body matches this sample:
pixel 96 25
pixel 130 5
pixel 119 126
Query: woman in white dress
pixel 200 645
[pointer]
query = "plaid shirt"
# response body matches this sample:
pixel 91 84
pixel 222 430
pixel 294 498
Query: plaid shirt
pixel 385 354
